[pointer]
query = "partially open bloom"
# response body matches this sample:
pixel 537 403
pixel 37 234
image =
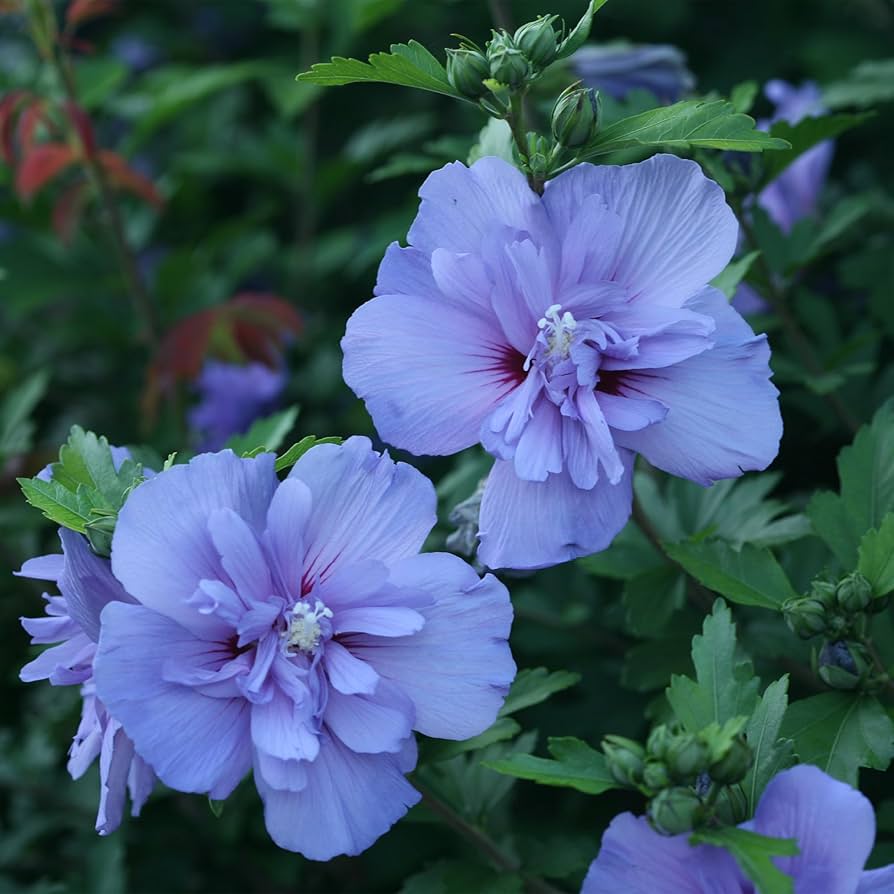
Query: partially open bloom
pixel 565 332
pixel 832 823
pixel 293 628
pixel 86 585
pixel 618 68
pixel 232 396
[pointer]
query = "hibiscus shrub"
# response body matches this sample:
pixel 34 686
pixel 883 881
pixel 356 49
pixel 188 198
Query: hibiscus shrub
pixel 613 286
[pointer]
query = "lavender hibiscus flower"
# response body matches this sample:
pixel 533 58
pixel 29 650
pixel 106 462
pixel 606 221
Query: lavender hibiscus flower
pixel 86 585
pixel 565 332
pixel 293 628
pixel 616 69
pixel 832 823
pixel 232 396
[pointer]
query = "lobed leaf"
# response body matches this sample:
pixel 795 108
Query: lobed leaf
pixel 754 853
pixel 876 556
pixel 265 435
pixel 535 685
pixel 771 753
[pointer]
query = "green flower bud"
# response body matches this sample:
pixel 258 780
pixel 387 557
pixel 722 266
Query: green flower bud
pixel 854 593
pixel 538 41
pixel 625 759
pixel 675 811
pixel 844 665
pixel 805 617
pixel 466 71
pixel 824 591
pixel 659 739
pixel 733 766
pixel 507 63
pixel 576 117
pixel 687 756
pixel 731 807
pixel 655 776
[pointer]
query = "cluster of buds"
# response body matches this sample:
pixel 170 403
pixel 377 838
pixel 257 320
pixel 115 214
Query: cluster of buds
pixel 507 61
pixel 686 776
pixel 837 610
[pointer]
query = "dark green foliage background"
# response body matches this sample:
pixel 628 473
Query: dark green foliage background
pixel 268 188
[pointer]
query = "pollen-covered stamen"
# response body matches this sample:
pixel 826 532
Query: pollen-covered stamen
pixel 305 628
pixel 556 335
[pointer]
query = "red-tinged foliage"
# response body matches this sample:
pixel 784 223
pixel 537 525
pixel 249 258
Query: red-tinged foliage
pixel 83 10
pixel 40 166
pixel 9 106
pixel 10 6
pixel 82 124
pixel 68 208
pixel 122 176
pixel 249 327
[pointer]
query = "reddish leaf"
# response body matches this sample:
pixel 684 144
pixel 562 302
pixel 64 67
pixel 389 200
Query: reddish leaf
pixel 82 10
pixel 9 105
pixel 68 208
pixel 40 166
pixel 82 124
pixel 32 115
pixel 120 174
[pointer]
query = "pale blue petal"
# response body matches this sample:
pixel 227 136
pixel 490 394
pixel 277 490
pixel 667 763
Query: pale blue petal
pixel 370 724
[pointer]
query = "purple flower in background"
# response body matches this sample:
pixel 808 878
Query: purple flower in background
pixel 833 824
pixel 292 628
pixel 617 69
pixel 232 396
pixel 565 332
pixel 137 53
pixel 793 195
pixel 86 585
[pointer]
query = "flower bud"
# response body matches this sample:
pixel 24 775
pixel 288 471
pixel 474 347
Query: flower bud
pixel 655 776
pixel 824 591
pixel 625 759
pixel 854 593
pixel 466 71
pixel 576 117
pixel 538 42
pixel 507 63
pixel 733 766
pixel 675 811
pixel 806 616
pixel 731 807
pixel 687 756
pixel 844 665
pixel 659 739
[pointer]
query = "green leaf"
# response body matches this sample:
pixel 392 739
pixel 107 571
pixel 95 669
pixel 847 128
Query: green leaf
pixel 265 435
pixel 576 766
pixel 578 35
pixel 629 555
pixel 685 125
pixel 866 471
pixel 442 749
pixel 840 732
pixel 734 272
pixel 407 65
pixel 651 598
pixel 754 855
pixel 771 753
pixel 16 428
pixel 868 84
pixel 71 509
pixel 749 576
pixel 805 135
pixel 296 451
pixel 462 877
pixel 876 554
pixel 726 686
pixel 535 685
pixel 742 96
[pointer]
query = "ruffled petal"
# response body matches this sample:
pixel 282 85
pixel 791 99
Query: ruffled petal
pixel 194 743
pixel 877 881
pixel 428 371
pixel 723 412
pixel 365 506
pixel 278 730
pixel 833 823
pixel 240 555
pixel 635 859
pixel 114 768
pixel 535 524
pixel 348 802
pixel 287 517
pixel 677 230
pixel 162 547
pixel 370 724
pixel 458 668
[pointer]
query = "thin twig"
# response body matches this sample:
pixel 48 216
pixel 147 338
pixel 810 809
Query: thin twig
pixel 483 842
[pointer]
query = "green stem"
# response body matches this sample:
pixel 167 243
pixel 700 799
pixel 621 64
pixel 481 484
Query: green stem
pixel 778 298
pixel 516 120
pixel 482 841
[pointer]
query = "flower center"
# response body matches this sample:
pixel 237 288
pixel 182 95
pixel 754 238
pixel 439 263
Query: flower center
pixel 556 336
pixel 305 628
